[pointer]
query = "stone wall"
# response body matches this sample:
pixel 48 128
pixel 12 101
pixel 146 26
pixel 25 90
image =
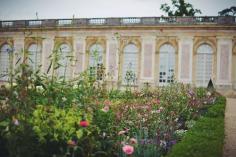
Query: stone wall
pixel 184 40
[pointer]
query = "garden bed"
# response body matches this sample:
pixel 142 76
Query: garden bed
pixel 45 116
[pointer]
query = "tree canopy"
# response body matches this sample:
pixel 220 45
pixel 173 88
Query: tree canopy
pixel 179 8
pixel 228 11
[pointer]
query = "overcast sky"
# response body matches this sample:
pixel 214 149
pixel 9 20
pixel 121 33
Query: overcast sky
pixel 26 9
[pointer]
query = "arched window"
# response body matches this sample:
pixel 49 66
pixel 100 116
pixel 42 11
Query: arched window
pixel 130 64
pixel 167 64
pixel 34 56
pixel 5 61
pixel 204 65
pixel 96 66
pixel 64 69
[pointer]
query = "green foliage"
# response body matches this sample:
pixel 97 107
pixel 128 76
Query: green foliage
pixel 55 124
pixel 206 137
pixel 217 110
pixel 228 11
pixel 179 8
pixel 41 116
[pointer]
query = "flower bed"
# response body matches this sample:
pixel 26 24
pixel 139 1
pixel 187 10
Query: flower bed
pixel 45 117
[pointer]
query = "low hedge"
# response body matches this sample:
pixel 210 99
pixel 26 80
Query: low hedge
pixel 206 138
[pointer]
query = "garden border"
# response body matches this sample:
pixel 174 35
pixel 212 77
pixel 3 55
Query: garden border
pixel 206 138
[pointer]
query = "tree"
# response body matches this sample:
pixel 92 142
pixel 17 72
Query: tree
pixel 180 8
pixel 228 11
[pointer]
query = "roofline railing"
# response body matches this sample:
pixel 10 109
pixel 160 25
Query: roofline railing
pixel 124 21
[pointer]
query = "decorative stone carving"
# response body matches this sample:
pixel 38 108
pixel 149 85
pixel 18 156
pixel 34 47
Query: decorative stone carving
pixel 204 40
pixel 125 40
pixel 91 40
pixel 33 40
pixel 63 40
pixel 173 41
pixel 6 41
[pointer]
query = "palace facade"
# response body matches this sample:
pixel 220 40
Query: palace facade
pixel 156 50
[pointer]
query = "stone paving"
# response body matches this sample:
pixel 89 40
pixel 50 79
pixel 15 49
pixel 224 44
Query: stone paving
pixel 230 128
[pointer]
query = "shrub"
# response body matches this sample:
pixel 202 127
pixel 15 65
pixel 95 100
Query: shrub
pixel 206 137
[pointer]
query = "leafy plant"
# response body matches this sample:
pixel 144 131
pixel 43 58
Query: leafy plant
pixel 179 8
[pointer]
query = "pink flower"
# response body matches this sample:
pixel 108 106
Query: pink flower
pixel 158 101
pixel 105 109
pixel 121 132
pixel 107 102
pixel 127 149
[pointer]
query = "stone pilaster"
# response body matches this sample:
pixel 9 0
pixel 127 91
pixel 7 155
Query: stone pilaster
pixel 47 50
pixel 18 50
pixel 224 62
pixel 79 53
pixel 112 57
pixel 185 59
pixel 148 59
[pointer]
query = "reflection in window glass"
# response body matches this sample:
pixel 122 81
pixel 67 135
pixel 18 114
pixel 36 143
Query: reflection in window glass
pixel 34 56
pixel 204 65
pixel 5 61
pixel 167 64
pixel 130 64
pixel 96 66
pixel 64 69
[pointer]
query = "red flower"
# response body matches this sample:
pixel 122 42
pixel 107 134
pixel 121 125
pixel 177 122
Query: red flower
pixel 84 123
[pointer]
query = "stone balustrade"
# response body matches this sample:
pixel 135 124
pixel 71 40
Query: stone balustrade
pixel 126 21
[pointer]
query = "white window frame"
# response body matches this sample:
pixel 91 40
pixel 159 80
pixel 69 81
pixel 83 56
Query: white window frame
pixel 35 51
pixel 5 61
pixel 166 64
pixel 64 51
pixel 203 72
pixel 130 64
pixel 96 61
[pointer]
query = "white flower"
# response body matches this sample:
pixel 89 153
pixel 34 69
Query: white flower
pixel 162 143
pixel 64 99
pixel 39 88
pixel 75 86
pixel 208 93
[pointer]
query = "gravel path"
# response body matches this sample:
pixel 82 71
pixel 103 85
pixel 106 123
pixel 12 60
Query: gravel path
pixel 230 128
